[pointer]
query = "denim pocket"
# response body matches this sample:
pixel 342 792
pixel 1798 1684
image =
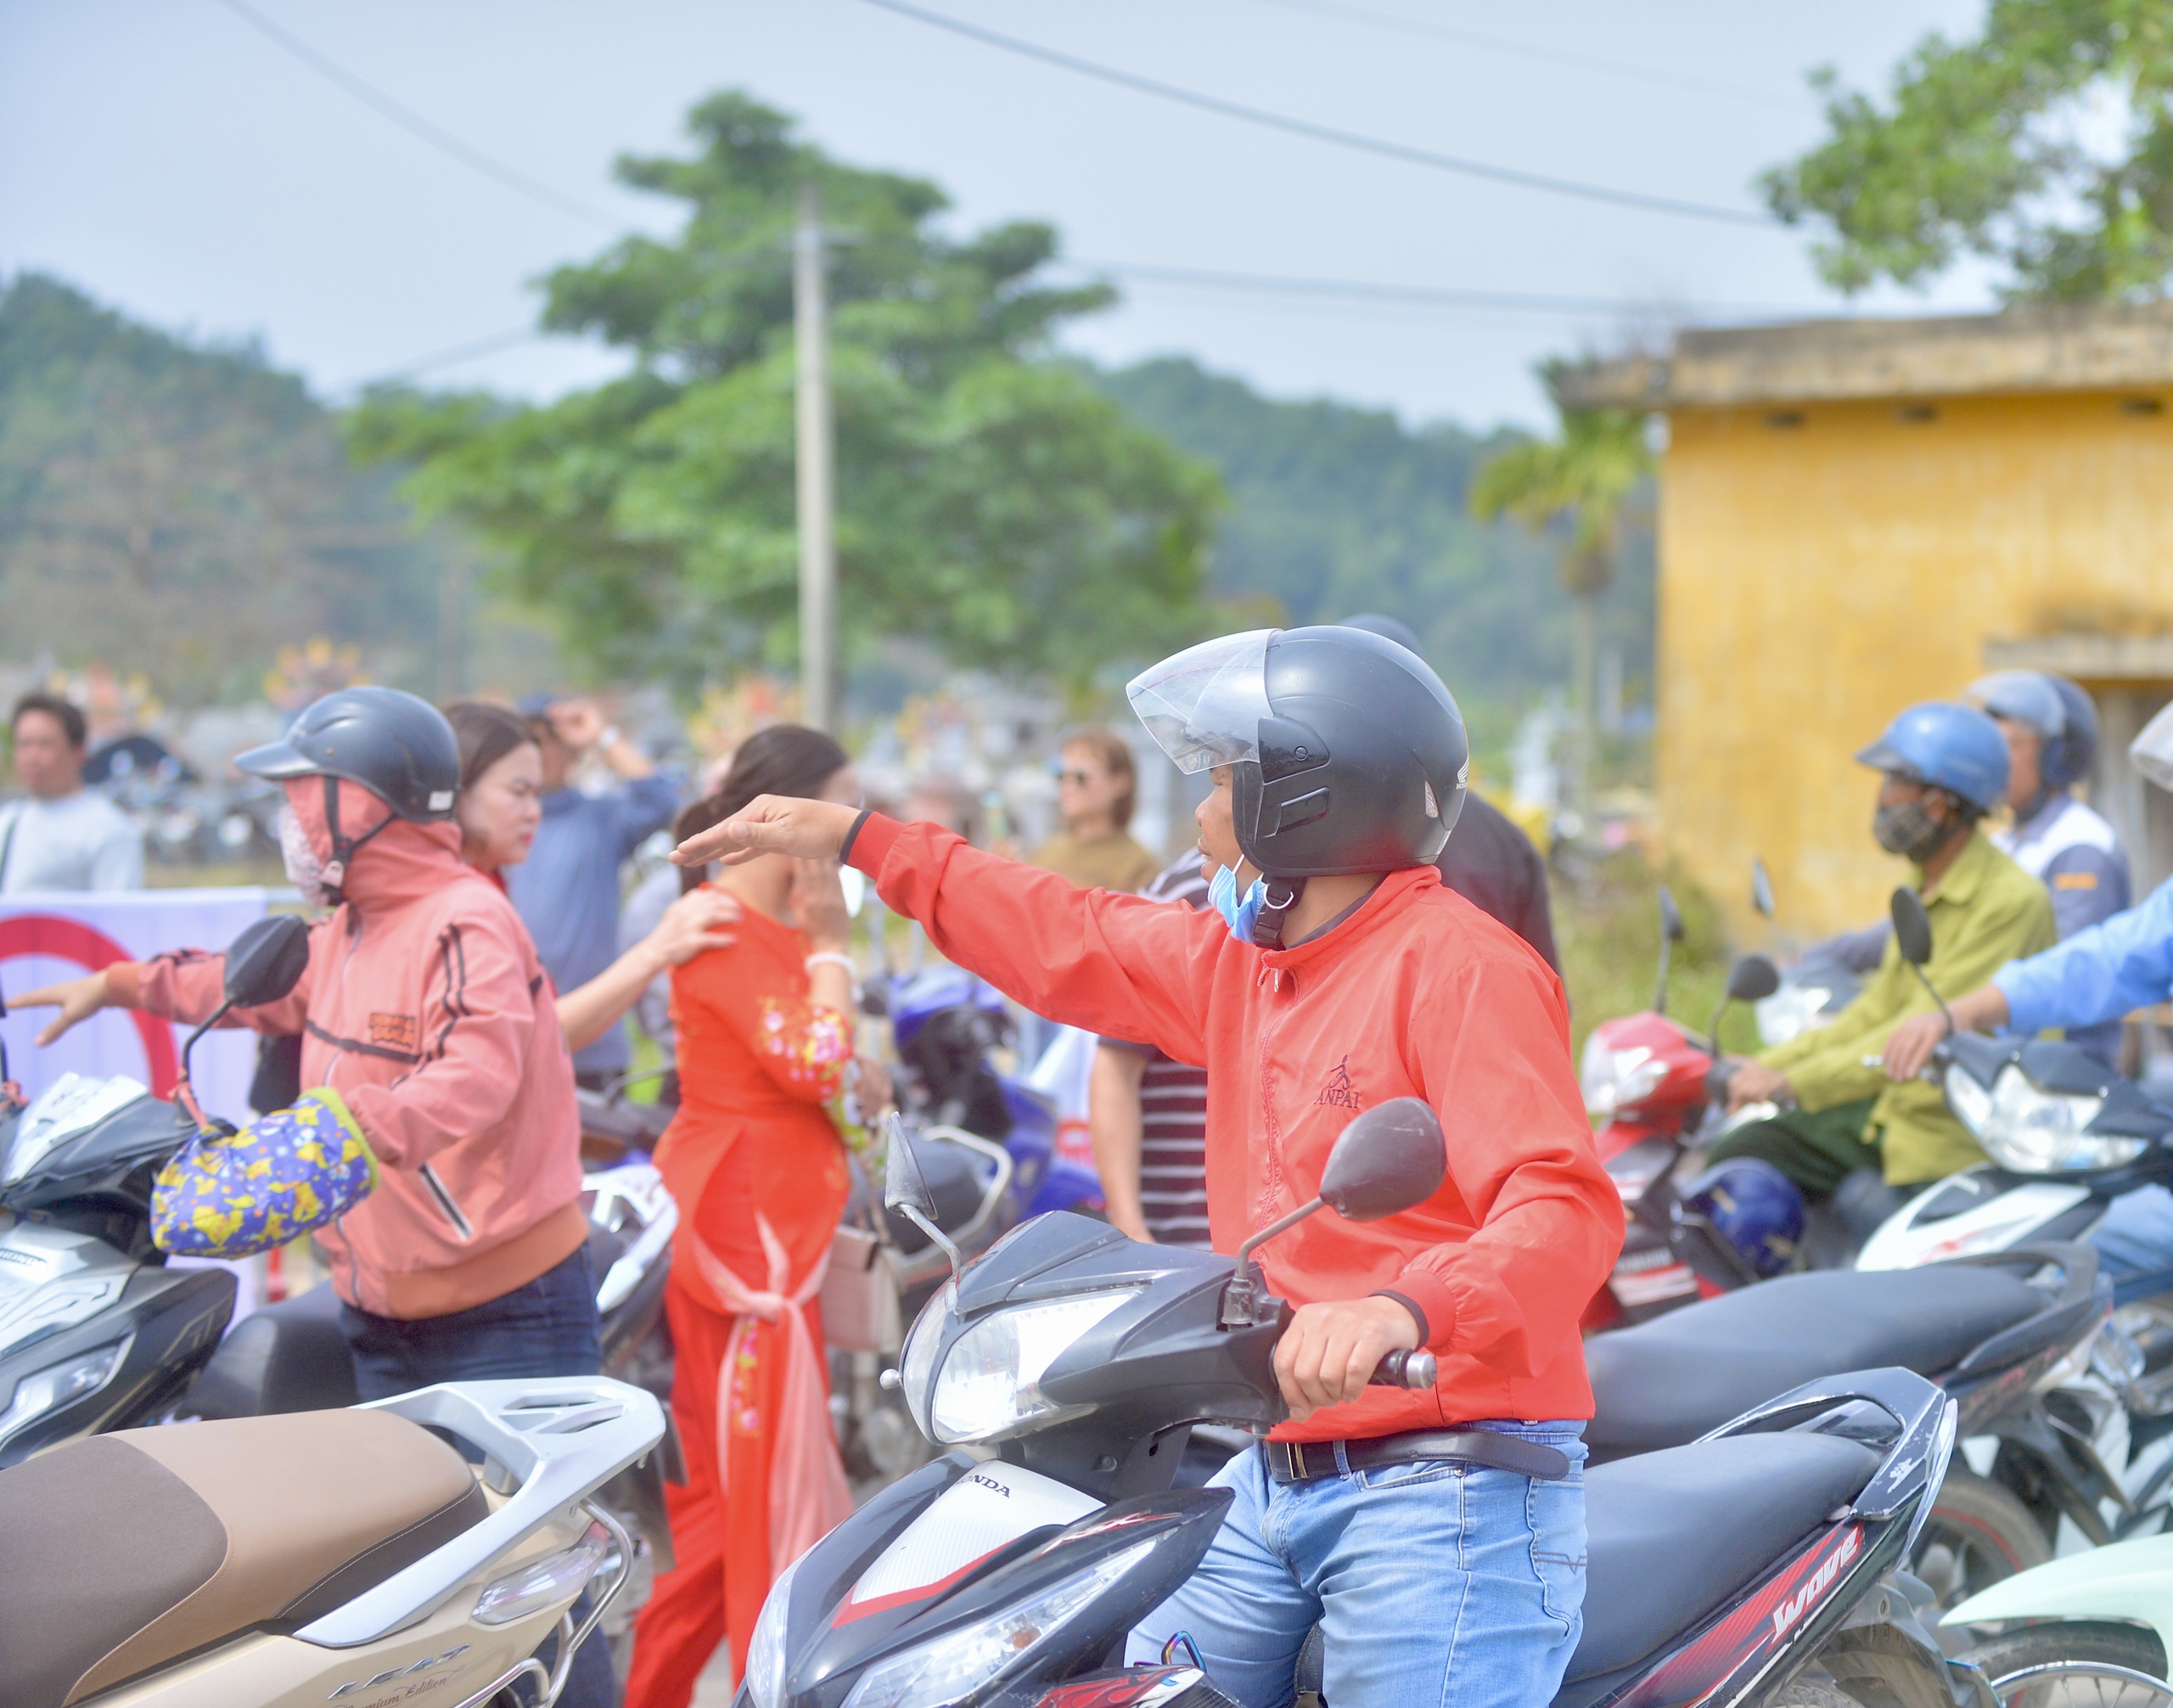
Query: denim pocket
pixel 1410 1474
pixel 1555 1512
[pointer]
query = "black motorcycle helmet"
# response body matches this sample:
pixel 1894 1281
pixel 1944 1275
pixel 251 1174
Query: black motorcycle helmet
pixel 1348 754
pixel 396 746
pixel 391 743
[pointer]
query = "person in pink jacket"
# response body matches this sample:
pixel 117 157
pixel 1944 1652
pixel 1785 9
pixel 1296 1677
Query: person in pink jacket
pixel 424 1006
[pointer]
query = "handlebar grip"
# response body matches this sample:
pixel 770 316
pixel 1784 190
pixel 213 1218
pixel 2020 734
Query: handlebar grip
pixel 1406 1370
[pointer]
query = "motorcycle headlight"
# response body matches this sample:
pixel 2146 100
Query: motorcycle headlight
pixel 765 1650
pixel 916 1365
pixel 961 1665
pixel 1616 1081
pixel 1790 1010
pixel 990 1381
pixel 2028 1130
pixel 56 1385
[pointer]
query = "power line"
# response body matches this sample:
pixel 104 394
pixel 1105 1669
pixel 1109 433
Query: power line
pixel 1444 296
pixel 414 123
pixel 445 358
pixel 1322 133
pixel 1498 44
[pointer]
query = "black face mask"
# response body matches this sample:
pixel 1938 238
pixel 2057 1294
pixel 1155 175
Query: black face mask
pixel 1910 830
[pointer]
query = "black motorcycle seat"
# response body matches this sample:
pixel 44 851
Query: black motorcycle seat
pixel 1672 1380
pixel 120 1553
pixel 1669 1536
pixel 291 1357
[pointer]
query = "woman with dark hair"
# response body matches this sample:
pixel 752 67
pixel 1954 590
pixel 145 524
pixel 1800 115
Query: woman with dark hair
pixel 757 1164
pixel 500 805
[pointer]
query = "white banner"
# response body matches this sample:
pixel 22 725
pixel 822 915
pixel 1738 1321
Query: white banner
pixel 49 936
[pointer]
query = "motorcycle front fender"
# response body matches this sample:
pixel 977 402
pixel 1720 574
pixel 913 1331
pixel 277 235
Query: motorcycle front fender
pixel 2127 1580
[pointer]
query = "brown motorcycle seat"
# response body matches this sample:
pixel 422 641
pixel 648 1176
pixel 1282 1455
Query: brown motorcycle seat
pixel 120 1553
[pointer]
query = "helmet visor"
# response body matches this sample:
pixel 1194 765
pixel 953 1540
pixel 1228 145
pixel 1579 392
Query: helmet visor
pixel 2151 752
pixel 1204 705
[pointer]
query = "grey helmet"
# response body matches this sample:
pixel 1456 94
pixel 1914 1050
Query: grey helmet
pixel 1349 755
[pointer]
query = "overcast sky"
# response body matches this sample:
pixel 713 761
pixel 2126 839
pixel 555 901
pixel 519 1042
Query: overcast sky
pixel 168 158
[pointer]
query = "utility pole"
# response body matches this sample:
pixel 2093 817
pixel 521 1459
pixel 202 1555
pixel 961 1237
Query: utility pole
pixel 818 547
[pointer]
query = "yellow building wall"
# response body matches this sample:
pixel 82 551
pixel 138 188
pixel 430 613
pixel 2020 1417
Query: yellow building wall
pixel 1815 579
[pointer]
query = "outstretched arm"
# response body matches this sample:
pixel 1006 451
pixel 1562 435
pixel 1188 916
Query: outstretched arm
pixel 1118 965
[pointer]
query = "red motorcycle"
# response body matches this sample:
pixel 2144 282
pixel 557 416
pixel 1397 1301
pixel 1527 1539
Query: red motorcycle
pixel 1649 1078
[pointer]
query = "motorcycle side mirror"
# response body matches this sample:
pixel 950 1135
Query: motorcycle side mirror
pixel 1913 937
pixel 1912 926
pixel 266 960
pixel 1388 1159
pixel 1391 1157
pixel 1762 889
pixel 906 1191
pixel 1752 979
pixel 1672 932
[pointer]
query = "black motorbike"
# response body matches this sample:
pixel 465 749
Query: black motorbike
pixel 97 1332
pixel 2008 1336
pixel 1759 1567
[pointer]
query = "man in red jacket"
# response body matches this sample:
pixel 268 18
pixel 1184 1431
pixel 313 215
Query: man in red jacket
pixel 1335 973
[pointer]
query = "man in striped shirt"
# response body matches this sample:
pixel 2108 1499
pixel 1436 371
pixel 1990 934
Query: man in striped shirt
pixel 1148 1116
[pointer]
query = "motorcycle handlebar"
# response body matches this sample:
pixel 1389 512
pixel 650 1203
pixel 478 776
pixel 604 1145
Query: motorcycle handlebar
pixel 1404 1370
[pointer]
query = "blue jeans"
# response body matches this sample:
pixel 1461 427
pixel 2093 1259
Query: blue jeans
pixel 546 1328
pixel 1433 1583
pixel 2134 1244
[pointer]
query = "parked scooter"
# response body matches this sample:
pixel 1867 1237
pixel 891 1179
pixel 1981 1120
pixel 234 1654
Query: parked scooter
pixel 345 1556
pixel 96 1333
pixel 1723 1572
pixel 2094 1627
pixel 1650 1076
pixel 946 1025
pixel 2008 1336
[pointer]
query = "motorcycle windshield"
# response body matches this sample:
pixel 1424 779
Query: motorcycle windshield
pixel 71 1104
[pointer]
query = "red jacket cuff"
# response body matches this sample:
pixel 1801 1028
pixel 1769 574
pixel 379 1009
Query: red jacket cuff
pixel 1431 1294
pixel 124 984
pixel 877 833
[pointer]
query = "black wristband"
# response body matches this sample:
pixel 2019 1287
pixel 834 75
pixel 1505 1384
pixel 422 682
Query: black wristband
pixel 1417 1316
pixel 845 848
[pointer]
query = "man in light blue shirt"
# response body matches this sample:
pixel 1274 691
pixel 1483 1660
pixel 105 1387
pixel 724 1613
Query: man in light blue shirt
pixel 2094 978
pixel 567 891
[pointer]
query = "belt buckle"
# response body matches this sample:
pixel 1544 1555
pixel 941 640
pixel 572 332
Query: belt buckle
pixel 1293 1467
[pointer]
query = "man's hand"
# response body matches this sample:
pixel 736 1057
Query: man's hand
pixel 772 824
pixel 577 722
pixel 1910 1045
pixel 77 999
pixel 874 1089
pixel 1753 1082
pixel 1329 1351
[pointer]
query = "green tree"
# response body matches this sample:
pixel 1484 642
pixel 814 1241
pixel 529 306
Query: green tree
pixel 1983 148
pixel 1582 482
pixel 990 501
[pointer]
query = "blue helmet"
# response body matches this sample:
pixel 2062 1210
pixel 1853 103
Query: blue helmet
pixel 1754 1207
pixel 1952 747
pixel 2061 713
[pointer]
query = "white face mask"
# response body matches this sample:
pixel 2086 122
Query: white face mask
pixel 304 871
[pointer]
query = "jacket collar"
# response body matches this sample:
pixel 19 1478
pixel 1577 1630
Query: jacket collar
pixel 1390 896
pixel 1959 885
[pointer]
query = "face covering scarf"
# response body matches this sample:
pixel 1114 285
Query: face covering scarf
pixel 1908 830
pixel 304 871
pixel 1240 913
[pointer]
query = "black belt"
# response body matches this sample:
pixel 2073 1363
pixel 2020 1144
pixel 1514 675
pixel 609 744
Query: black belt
pixel 1292 1462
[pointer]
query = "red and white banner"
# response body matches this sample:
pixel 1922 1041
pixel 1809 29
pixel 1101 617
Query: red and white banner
pixel 47 937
